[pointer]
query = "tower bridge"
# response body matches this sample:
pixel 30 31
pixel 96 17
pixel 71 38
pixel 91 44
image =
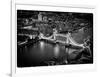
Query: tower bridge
pixel 61 38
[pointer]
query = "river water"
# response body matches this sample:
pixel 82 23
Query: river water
pixel 41 52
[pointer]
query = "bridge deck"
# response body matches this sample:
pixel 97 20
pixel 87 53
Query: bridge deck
pixel 69 40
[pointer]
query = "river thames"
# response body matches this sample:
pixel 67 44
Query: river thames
pixel 41 52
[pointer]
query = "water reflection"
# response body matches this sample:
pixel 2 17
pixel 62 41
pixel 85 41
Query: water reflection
pixel 42 45
pixel 39 53
pixel 67 50
pixel 56 50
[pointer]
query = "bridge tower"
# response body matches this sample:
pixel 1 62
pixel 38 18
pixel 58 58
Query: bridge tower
pixel 68 38
pixel 54 33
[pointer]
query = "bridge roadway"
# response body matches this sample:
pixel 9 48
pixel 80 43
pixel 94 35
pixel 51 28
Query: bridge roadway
pixel 69 39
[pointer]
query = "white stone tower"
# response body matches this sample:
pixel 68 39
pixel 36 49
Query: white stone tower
pixel 40 16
